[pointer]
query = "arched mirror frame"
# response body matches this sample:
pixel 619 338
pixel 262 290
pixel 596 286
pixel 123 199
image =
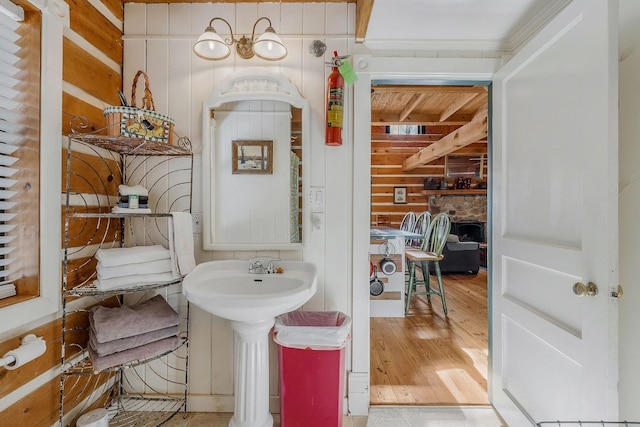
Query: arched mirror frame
pixel 249 85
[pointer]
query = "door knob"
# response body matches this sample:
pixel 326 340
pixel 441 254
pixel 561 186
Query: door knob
pixel 580 289
pixel 617 293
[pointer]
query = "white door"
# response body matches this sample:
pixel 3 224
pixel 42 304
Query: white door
pixel 554 210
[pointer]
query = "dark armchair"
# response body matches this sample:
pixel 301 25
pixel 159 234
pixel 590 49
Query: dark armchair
pixel 459 257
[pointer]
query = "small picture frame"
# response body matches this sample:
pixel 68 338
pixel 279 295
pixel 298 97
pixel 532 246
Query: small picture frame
pixel 252 157
pixel 399 195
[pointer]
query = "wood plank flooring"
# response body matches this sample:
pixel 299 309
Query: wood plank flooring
pixel 428 359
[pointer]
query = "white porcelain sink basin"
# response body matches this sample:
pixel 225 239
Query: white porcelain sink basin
pixel 226 289
pixel 251 301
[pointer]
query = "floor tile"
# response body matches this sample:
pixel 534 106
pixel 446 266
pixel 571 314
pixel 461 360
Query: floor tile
pixel 379 416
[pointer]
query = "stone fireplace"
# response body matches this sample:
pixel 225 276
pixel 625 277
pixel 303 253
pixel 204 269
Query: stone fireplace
pixel 469 230
pixel 460 207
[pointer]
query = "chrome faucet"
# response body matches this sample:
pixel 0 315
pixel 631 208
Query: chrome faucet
pixel 256 266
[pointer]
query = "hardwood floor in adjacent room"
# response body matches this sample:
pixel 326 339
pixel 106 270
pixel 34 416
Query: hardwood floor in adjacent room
pixel 428 359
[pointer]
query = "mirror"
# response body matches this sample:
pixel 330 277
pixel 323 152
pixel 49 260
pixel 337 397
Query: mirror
pixel 254 149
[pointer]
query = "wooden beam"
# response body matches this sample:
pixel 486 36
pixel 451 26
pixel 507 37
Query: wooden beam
pixel 456 105
pixel 405 139
pixel 363 14
pixel 379 118
pixel 467 134
pixel 415 101
pixel 233 1
pixel 428 89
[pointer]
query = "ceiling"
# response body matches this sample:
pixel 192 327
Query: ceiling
pixel 460 24
pixel 456 116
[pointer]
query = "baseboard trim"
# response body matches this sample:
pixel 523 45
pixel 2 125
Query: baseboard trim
pixel 358 393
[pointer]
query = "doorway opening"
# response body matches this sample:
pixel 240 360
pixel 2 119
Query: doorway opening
pixel 430 141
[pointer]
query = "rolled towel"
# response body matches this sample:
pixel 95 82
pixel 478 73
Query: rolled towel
pixel 149 267
pixel 104 349
pixel 146 351
pixel 134 280
pixel 118 209
pixel 126 190
pixel 114 323
pixel 119 256
pixel 181 242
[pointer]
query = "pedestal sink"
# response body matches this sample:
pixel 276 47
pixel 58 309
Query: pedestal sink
pixel 251 301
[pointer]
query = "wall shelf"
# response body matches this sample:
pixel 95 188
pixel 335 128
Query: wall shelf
pixel 469 192
pixel 150 390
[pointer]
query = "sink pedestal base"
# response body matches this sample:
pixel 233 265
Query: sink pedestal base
pixel 251 374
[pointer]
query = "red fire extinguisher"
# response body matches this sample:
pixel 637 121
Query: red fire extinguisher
pixel 335 104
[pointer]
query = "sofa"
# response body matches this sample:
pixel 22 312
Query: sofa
pixel 459 257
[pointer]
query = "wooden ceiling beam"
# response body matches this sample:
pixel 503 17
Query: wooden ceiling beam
pixel 403 139
pixel 236 1
pixel 413 103
pixel 428 89
pixel 467 134
pixel 456 105
pixel 363 14
pixel 383 119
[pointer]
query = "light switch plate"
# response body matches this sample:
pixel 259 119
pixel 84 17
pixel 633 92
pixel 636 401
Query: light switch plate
pixel 316 198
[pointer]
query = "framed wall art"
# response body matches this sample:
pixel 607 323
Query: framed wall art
pixel 252 157
pixel 399 195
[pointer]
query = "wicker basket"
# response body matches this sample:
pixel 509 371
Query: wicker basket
pixel 144 122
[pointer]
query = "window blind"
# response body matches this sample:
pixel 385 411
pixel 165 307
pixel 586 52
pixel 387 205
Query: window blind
pixel 11 130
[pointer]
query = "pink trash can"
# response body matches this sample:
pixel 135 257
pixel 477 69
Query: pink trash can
pixel 311 364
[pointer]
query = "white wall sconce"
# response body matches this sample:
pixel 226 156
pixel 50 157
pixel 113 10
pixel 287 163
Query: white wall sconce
pixel 212 47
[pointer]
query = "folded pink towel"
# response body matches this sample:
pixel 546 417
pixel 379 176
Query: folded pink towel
pixel 104 349
pixel 113 323
pixel 136 353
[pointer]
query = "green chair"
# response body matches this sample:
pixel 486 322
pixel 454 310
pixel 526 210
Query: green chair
pixel 431 251
pixel 420 226
pixel 407 224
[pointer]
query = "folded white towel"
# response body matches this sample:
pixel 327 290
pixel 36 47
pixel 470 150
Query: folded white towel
pixel 133 280
pixel 149 267
pixel 126 190
pixel 120 256
pixel 118 209
pixel 181 242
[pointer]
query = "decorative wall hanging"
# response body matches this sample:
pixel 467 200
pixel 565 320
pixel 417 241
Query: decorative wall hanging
pixel 252 157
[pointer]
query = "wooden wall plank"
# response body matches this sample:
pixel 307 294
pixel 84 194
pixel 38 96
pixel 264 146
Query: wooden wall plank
pixel 80 69
pixel 84 231
pixel 387 172
pixel 84 71
pixel 10 380
pixel 72 106
pixel 94 27
pixel 41 407
pixel 38 409
pixel 89 170
pixel 116 7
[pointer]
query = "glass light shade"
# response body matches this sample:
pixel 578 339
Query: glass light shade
pixel 269 46
pixel 211 46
